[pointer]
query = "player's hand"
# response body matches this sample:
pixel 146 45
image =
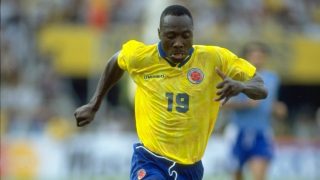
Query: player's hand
pixel 84 115
pixel 227 88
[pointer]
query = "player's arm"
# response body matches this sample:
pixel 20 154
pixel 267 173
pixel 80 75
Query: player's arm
pixel 112 73
pixel 250 103
pixel 253 88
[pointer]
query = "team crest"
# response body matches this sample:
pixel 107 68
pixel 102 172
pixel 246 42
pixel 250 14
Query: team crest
pixel 195 75
pixel 141 174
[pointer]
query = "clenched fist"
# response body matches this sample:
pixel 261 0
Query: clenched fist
pixel 84 115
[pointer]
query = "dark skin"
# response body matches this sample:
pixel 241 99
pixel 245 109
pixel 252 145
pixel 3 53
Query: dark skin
pixel 176 35
pixel 112 74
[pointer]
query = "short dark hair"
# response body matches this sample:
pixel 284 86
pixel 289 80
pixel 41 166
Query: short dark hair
pixel 175 10
pixel 252 46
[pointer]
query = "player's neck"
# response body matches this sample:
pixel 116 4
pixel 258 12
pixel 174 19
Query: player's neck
pixel 173 63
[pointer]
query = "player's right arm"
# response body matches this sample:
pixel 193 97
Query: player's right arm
pixel 112 74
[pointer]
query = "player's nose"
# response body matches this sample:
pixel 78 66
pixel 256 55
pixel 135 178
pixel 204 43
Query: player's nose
pixel 178 44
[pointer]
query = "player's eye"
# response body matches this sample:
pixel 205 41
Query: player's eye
pixel 170 36
pixel 186 35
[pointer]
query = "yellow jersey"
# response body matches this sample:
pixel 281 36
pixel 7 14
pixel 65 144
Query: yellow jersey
pixel 174 105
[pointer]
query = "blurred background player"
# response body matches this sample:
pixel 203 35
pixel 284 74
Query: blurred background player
pixel 251 119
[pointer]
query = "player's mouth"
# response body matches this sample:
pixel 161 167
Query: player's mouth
pixel 178 56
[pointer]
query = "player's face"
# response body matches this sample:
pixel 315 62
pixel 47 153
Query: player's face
pixel 176 36
pixel 257 58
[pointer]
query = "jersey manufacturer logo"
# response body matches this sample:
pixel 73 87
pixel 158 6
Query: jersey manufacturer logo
pixel 195 75
pixel 141 174
pixel 154 76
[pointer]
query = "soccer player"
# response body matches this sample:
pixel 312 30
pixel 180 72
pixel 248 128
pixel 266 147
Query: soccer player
pixel 179 90
pixel 251 119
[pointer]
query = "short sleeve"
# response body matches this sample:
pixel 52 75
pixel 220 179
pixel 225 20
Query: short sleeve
pixel 235 67
pixel 128 54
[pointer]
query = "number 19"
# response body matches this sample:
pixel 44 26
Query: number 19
pixel 182 100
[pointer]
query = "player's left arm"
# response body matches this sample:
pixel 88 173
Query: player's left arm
pixel 253 88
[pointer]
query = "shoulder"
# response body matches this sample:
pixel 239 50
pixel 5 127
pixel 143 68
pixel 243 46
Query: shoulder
pixel 206 48
pixel 133 45
pixel 137 50
pixel 213 50
pixel 135 54
pixel 207 52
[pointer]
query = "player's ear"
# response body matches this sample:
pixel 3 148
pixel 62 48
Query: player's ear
pixel 159 33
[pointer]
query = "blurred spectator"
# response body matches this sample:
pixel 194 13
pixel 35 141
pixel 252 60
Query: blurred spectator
pixel 19 99
pixel 306 127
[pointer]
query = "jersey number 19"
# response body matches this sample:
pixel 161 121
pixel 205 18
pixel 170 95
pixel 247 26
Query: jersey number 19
pixel 182 101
